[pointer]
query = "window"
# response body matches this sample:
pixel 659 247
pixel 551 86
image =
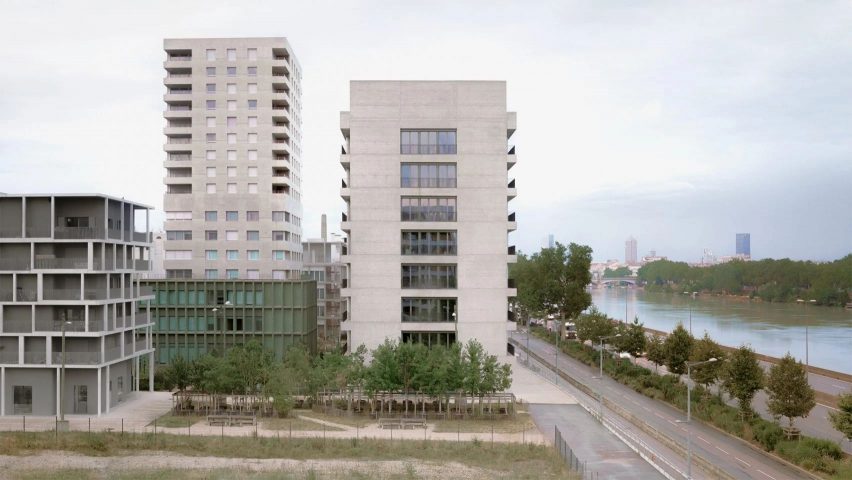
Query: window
pixel 432 142
pixel 277 216
pixel 252 216
pixel 428 276
pixel 278 254
pixel 211 235
pixel 232 138
pixel 428 209
pixel 232 122
pixel 252 88
pixel 211 71
pixel 22 399
pixel 232 155
pixel 211 55
pixel 278 275
pixel 211 122
pixel 252 54
pixel 178 255
pixel 253 235
pixel 211 254
pixel 211 171
pixel 232 54
pixel 429 243
pixel 232 216
pixel 211 154
pixel 278 235
pixel 252 138
pixel 253 255
pixel 253 274
pixel 252 104
pixel 252 154
pixel 211 188
pixel 428 309
pixel 232 105
pixel 211 138
pixel 233 254
pixel 252 71
pixel 232 274
pixel 211 104
pixel 210 216
pixel 211 88
pixel 232 171
pixel 252 121
pixel 232 71
pixel 178 234
pixel 231 235
pixel 179 215
pixel 430 339
pixel 252 172
pixel 428 175
pixel 252 188
pixel 211 274
pixel 232 188
pixel 232 88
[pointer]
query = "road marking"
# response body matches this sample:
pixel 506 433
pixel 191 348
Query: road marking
pixel 726 453
pixel 673 423
pixel 702 439
pixel 837 386
pixel 827 406
pixel 657 414
pixel 646 408
pixel 768 475
pixel 743 462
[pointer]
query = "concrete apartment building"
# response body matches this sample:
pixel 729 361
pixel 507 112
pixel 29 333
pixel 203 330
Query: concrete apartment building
pixel 631 251
pixel 321 262
pixel 233 148
pixel 69 264
pixel 427 191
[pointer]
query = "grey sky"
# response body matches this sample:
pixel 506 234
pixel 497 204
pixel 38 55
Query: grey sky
pixel 681 123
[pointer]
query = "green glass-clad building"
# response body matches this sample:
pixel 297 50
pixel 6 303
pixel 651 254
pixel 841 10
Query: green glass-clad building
pixel 194 317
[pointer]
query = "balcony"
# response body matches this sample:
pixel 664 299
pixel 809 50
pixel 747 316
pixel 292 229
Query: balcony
pixel 512 191
pixel 141 265
pixel 38 231
pixel 35 358
pixel 141 345
pixel 179 140
pixel 17 325
pixel 61 293
pixel 281 172
pixel 179 157
pixel 26 295
pixel 179 57
pixel 146 291
pixel 281 157
pixel 512 224
pixel 511 316
pixel 142 319
pixel 14 264
pixel 511 283
pixel 345 192
pixel 512 250
pixel 183 172
pixel 511 159
pixel 77 358
pixel 8 356
pixel 112 353
pixel 53 325
pixel 11 232
pixel 142 237
pixel 78 233
pixel 71 263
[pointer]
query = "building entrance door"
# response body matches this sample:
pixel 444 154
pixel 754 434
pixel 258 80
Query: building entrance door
pixel 81 399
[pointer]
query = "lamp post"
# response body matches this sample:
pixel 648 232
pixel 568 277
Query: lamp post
pixel 689 366
pixel 216 309
pixel 600 377
pixel 62 425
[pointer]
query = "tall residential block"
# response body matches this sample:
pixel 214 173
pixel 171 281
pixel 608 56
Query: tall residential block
pixel 631 254
pixel 744 244
pixel 69 265
pixel 233 148
pixel 322 263
pixel 427 194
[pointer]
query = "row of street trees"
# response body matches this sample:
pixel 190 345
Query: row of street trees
pixel 438 372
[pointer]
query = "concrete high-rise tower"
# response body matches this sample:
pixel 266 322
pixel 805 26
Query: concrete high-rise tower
pixel 631 254
pixel 744 244
pixel 233 172
pixel 427 191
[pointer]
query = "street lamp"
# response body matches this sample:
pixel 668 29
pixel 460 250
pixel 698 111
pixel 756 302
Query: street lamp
pixel 216 309
pixel 64 426
pixel 693 294
pixel 600 389
pixel 689 366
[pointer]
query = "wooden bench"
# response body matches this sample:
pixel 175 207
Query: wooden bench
pixel 413 423
pixel 231 420
pixel 390 423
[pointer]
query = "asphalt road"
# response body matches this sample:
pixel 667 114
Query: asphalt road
pixel 720 449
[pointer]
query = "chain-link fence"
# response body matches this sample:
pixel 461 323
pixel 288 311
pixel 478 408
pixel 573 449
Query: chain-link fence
pixel 574 464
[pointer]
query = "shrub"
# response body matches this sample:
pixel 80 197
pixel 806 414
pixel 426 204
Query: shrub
pixel 766 433
pixel 811 453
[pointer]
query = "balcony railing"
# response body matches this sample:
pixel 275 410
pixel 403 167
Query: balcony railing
pixel 78 233
pixel 8 356
pixel 141 237
pixel 14 263
pixel 77 358
pixel 61 293
pixel 27 295
pixel 179 140
pixel 179 108
pixel 180 75
pixel 180 157
pixel 17 325
pixel 115 292
pixel 53 325
pixel 6 296
pixel 71 263
pixel 512 217
pixel 140 345
pixel 179 91
pixel 512 184
pixel 511 250
pixel 511 283
pixel 114 233
pixel 143 265
pixel 35 358
pixel 180 58
pixel 146 290
pixel 142 318
pixel 10 232
pixel 112 353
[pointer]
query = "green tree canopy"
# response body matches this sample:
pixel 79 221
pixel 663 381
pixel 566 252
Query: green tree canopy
pixel 553 281
pixel 594 325
pixel 678 349
pixel 842 418
pixel 656 350
pixel 790 394
pixel 742 376
pixel 703 350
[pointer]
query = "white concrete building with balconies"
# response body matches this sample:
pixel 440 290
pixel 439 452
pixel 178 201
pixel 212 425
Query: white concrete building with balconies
pixel 69 264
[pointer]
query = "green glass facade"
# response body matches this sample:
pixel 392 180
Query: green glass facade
pixel 277 313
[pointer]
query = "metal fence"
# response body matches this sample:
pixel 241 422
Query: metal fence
pixel 574 463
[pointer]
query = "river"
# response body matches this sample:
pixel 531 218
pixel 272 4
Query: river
pixel 770 328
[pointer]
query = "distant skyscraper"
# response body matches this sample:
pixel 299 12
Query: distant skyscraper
pixel 630 250
pixel 550 242
pixel 744 244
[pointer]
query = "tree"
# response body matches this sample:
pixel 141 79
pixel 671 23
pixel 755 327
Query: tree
pixel 617 272
pixel 703 350
pixel 251 365
pixel 842 419
pixel 790 394
pixel 656 351
pixel 560 277
pixel 742 376
pixel 632 339
pixel 593 325
pixel 678 349
pixel 179 373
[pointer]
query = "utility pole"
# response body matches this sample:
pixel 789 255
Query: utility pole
pixel 62 424
pixel 689 365
pixel 600 389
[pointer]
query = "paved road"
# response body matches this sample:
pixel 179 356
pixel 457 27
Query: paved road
pixel 723 451
pixel 821 383
pixel 601 451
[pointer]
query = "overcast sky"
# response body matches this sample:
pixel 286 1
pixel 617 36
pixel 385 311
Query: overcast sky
pixel 680 123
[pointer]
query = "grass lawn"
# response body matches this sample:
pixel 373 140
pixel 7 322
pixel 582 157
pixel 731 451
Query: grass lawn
pixel 353 421
pixel 512 460
pixel 176 421
pixel 185 474
pixel 295 424
pixel 518 424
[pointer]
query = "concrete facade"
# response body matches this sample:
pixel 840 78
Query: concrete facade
pixel 233 149
pixel 450 282
pixel 70 263
pixel 322 263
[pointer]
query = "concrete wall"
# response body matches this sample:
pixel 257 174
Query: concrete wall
pixel 76 377
pixel 43 381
